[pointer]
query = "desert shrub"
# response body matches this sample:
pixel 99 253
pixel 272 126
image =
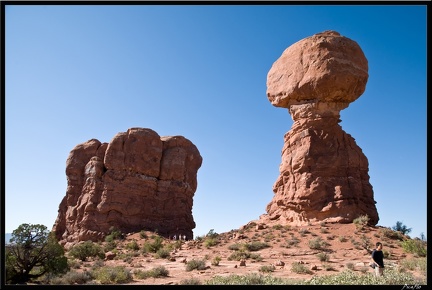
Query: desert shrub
pixel 152 246
pixel 323 257
pixel 342 239
pixel 364 242
pixel 195 264
pixel 190 281
pixel 98 263
pixel 234 247
pixel 299 268
pixel 328 267
pixel 238 255
pixel 74 263
pixel 126 257
pixel 132 246
pixel 323 230
pixel 413 264
pixel 267 268
pixel 210 242
pixel 269 237
pixel 291 242
pixel 394 235
pixel 350 265
pixel 109 246
pixel 112 275
pixel 216 260
pixel 361 221
pixel 303 232
pixel 256 257
pixel 277 227
pixel 115 234
pixel 156 272
pixel 331 237
pixel 256 246
pixel 163 253
pixel 86 249
pixel 248 279
pixel 71 278
pixel 348 277
pixel 417 247
pixel 143 234
pixel 317 243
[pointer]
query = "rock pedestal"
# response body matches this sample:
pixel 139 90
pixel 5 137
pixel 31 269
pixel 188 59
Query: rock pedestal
pixel 323 173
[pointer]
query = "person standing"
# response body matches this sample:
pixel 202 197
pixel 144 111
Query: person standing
pixel 378 259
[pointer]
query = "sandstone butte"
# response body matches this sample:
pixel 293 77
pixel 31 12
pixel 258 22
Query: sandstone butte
pixel 324 173
pixel 138 181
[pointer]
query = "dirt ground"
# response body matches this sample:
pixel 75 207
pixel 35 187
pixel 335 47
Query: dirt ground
pixel 346 246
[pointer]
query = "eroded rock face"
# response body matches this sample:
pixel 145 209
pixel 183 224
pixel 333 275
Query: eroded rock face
pixel 138 181
pixel 323 173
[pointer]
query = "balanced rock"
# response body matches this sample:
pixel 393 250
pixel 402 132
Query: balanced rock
pixel 323 173
pixel 138 181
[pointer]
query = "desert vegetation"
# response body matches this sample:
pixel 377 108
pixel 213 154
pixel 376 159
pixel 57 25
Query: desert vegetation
pixel 324 254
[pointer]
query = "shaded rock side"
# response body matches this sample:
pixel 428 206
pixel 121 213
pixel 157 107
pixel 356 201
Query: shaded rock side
pixel 323 173
pixel 138 181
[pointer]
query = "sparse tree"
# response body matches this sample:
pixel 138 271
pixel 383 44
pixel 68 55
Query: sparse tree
pixel 400 227
pixel 33 251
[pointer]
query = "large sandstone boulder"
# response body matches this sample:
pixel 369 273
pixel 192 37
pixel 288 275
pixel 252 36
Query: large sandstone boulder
pixel 138 181
pixel 323 173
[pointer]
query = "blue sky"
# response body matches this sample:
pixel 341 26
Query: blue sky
pixel 77 72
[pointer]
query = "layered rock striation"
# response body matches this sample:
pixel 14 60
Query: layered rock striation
pixel 138 181
pixel 323 173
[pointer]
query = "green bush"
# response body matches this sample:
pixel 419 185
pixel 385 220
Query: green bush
pixel 267 268
pixel 317 243
pixel 256 246
pixel 115 234
pixel 112 275
pixel 156 272
pixel 400 227
pixel 361 221
pixel 299 268
pixel 394 235
pixel 195 264
pixel 71 278
pixel 132 246
pixel 209 242
pixel 190 281
pixel 153 246
pixel 238 255
pixel 348 277
pixel 235 247
pixel 163 253
pixel 216 260
pixel 248 279
pixel 415 246
pixel 86 249
pixel 143 234
pixel 323 257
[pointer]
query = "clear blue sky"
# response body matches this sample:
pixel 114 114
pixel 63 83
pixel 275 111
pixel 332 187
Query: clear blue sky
pixel 74 73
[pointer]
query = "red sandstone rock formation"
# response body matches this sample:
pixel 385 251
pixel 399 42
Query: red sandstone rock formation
pixel 323 174
pixel 139 181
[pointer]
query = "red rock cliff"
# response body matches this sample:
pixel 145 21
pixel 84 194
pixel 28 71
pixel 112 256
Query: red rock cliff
pixel 138 181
